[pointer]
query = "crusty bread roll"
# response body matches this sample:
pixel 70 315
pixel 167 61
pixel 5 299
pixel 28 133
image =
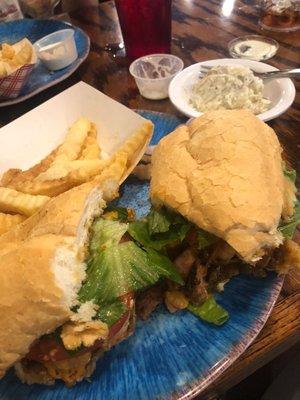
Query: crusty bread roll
pixel 41 267
pixel 223 171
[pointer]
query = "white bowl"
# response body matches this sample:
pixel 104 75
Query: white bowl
pixel 281 92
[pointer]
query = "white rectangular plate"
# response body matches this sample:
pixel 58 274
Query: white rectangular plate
pixel 28 139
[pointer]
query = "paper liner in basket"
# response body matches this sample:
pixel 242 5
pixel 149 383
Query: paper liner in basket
pixel 17 75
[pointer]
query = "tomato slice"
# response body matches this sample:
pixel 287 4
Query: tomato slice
pixel 48 348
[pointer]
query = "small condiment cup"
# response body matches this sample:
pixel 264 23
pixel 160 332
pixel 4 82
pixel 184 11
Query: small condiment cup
pixel 57 50
pixel 153 74
pixel 269 49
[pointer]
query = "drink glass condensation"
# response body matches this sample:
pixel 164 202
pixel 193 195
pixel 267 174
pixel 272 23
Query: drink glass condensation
pixel 145 25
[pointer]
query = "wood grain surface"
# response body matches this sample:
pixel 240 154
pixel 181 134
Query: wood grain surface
pixel 201 31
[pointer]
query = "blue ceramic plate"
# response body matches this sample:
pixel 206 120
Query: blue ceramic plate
pixel 41 78
pixel 170 356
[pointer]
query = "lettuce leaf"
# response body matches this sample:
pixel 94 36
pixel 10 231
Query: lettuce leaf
pixel 288 229
pixel 158 222
pixel 163 266
pixel 161 228
pixel 105 233
pixel 163 220
pixel 139 231
pixel 123 268
pixel 111 313
pixel 210 311
pixel 205 239
pixel 290 173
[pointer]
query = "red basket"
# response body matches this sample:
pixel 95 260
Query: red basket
pixel 11 85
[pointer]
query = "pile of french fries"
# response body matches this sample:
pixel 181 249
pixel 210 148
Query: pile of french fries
pixel 15 56
pixel 76 161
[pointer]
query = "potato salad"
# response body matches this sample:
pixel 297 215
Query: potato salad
pixel 229 87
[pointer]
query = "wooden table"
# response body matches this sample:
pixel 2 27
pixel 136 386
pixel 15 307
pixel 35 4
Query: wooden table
pixel 201 31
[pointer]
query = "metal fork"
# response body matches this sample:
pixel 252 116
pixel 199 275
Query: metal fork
pixel 285 73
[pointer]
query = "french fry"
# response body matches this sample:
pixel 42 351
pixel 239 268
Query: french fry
pixel 88 167
pixel 68 151
pixel 71 147
pixel 115 170
pixel 15 178
pixel 85 170
pixel 8 221
pixel 132 145
pixel 22 180
pixel 74 162
pixel 12 201
pixel 9 176
pixel 8 51
pixel 91 148
pixel 47 188
pixel 80 171
pixel 22 57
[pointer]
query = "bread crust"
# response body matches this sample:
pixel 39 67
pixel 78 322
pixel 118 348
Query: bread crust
pixel 31 301
pixel 60 216
pixel 223 171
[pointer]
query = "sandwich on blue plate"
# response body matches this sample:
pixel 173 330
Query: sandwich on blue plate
pixel 224 203
pixel 75 274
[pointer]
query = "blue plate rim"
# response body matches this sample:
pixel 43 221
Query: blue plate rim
pixel 189 391
pixel 76 65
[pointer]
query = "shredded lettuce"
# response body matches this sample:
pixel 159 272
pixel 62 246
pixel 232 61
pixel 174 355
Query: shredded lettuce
pixel 210 311
pixel 288 229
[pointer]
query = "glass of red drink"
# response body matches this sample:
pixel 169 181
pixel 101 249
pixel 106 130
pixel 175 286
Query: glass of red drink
pixel 145 25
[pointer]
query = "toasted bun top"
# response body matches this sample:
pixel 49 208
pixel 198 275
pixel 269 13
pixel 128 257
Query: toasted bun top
pixel 41 267
pixel 223 171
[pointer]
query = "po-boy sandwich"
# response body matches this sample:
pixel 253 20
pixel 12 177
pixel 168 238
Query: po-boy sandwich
pixel 69 275
pixel 223 203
